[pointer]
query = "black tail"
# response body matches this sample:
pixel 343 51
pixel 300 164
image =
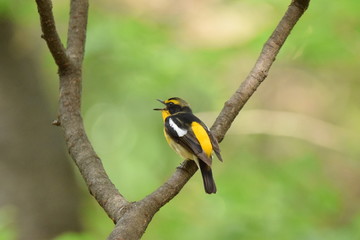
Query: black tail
pixel 209 183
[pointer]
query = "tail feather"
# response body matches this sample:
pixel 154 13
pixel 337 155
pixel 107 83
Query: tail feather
pixel 209 183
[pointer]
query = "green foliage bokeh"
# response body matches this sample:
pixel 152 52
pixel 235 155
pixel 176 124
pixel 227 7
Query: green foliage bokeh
pixel 270 187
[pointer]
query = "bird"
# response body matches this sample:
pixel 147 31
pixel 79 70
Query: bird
pixel 190 138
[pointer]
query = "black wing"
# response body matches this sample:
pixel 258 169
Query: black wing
pixel 178 127
pixel 213 140
pixel 215 145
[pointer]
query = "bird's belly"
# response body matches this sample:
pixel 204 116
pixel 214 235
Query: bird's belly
pixel 180 149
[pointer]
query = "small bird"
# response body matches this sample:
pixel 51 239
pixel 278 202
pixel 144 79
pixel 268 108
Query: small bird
pixel 190 137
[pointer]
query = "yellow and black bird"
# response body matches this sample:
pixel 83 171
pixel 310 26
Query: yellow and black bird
pixel 190 137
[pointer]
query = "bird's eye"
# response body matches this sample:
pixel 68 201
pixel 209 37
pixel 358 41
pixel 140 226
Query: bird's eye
pixel 171 103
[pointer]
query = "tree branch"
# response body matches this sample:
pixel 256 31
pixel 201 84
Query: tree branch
pixel 260 70
pixel 133 218
pixel 134 222
pixel 227 115
pixel 77 30
pixel 50 34
pixel 70 64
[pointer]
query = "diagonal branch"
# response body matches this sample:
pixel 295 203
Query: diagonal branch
pixel 247 88
pixel 134 221
pixel 70 64
pixel 232 107
pixel 50 34
pixel 260 70
pixel 133 218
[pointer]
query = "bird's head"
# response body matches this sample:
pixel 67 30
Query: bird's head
pixel 173 105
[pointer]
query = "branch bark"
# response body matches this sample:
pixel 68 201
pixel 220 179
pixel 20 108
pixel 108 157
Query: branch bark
pixel 260 70
pixel 152 203
pixel 50 33
pixel 69 63
pixel 133 218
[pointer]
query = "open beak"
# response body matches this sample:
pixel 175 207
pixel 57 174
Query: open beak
pixel 160 109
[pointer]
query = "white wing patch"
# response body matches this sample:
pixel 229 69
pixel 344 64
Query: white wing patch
pixel 180 132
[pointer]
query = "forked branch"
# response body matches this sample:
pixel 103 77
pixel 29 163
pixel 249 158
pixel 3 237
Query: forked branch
pixel 69 62
pixel 133 218
pixel 232 107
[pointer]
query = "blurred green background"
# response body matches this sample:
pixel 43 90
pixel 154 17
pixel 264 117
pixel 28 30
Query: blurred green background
pixel 291 159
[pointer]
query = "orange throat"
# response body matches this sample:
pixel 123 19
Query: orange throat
pixel 165 114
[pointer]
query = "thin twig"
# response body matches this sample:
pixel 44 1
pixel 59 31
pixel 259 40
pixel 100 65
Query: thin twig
pixel 50 34
pixel 260 70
